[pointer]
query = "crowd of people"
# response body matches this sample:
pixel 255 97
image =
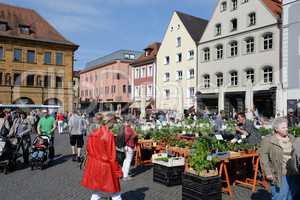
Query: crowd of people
pixel 109 158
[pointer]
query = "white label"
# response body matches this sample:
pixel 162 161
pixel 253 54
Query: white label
pixel 219 137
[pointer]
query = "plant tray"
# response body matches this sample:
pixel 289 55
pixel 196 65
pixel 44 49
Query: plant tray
pixel 172 162
pixel 168 176
pixel 197 187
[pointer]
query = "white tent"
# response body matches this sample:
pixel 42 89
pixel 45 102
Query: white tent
pixel 249 95
pixel 221 99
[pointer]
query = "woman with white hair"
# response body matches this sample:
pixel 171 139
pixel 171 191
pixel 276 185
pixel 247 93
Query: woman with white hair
pixel 276 154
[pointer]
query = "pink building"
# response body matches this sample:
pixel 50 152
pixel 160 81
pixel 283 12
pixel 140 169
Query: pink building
pixel 105 83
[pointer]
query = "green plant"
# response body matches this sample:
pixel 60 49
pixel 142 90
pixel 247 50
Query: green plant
pixel 265 131
pixel 164 159
pixel 295 131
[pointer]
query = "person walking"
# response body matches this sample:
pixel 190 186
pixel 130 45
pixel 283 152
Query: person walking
pixel 131 141
pixel 292 119
pixel 4 124
pixel 47 126
pixel 102 172
pixel 276 154
pixel 60 122
pixel 76 128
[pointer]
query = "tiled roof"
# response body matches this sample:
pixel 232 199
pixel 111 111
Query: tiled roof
pixel 194 25
pixel 275 6
pixel 40 29
pixel 153 49
pixel 117 55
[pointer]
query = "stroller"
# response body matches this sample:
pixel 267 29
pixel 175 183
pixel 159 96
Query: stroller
pixel 9 153
pixel 39 153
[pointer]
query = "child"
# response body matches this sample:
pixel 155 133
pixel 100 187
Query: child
pixel 38 149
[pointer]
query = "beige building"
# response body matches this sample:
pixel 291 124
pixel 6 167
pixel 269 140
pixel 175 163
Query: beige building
pixel 239 57
pixel 177 63
pixel 36 61
pixel 76 90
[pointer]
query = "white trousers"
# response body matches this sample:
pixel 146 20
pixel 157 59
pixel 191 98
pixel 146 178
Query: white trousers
pixel 60 126
pixel 98 195
pixel 127 162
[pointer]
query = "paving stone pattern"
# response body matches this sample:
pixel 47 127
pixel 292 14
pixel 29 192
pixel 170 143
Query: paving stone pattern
pixel 61 182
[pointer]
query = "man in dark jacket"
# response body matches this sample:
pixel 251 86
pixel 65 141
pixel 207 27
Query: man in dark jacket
pixel 292 119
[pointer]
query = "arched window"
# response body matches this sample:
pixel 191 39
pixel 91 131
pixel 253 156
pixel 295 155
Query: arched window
pixel 206 79
pixel 206 54
pixel 219 79
pixel 234 78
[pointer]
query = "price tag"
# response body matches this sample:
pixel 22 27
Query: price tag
pixel 219 137
pixel 209 157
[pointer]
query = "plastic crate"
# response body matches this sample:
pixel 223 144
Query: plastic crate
pixel 168 176
pixel 201 188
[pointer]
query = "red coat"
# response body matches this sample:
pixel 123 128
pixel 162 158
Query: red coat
pixel 102 171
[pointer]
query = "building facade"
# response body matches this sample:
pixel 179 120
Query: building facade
pixel 76 90
pixel 239 57
pixel 291 55
pixel 36 61
pixel 177 63
pixel 143 78
pixel 105 83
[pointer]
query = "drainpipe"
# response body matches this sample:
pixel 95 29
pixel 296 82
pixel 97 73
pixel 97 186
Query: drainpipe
pixel 197 70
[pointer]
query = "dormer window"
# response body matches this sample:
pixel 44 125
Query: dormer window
pixel 223 6
pixel 3 26
pixel 147 52
pixel 25 29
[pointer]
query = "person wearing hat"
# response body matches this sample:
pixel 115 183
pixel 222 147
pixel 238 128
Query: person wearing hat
pixel 46 126
pixel 292 119
pixel 102 172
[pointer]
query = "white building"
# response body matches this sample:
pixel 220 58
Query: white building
pixel 239 57
pixel 177 63
pixel 291 55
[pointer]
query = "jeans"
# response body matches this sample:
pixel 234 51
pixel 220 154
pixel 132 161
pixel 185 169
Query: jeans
pixel 127 162
pixel 289 189
pixel 51 148
pixel 60 127
pixel 98 195
pixel 37 154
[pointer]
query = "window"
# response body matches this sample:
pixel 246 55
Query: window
pixel 167 94
pixel 1 78
pixel 250 45
pixel 191 92
pixel 233 24
pixel 206 81
pixel 178 42
pixel 129 89
pixel 106 90
pixel 58 82
pixel 206 54
pixel 7 79
pixel 17 79
pixel 149 90
pixel 179 75
pixel 39 81
pixel 234 78
pixel 178 57
pixel 113 89
pixel 167 76
pixel 124 88
pixel 143 73
pixel 234 4
pixel 223 6
pixel 1 53
pixel 3 26
pixel 118 76
pixel 252 19
pixel 30 80
pixel 47 58
pixel 250 75
pixel 219 51
pixel 59 58
pixel 218 29
pixel 268 41
pixel 233 48
pixel 18 55
pixel 31 56
pixel 136 73
pixel 190 54
pixel 268 75
pixel 24 29
pixel 245 1
pixel 167 60
pixel 136 91
pixel 219 79
pixel 191 73
pixel 47 81
pixel 149 73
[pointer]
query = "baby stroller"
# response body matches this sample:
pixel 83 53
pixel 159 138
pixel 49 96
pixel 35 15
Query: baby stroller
pixel 8 153
pixel 39 152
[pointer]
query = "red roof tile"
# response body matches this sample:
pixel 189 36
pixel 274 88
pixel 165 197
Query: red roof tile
pixel 40 29
pixel 275 6
pixel 153 49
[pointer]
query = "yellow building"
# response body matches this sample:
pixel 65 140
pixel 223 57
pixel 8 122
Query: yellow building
pixel 36 62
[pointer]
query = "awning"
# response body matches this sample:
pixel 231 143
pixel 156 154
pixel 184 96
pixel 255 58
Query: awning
pixel 137 104
pixel 28 106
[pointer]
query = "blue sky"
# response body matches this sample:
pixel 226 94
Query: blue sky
pixel 103 26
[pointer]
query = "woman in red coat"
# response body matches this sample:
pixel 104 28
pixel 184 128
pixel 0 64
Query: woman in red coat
pixel 102 171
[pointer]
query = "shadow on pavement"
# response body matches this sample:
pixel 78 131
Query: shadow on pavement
pixel 139 170
pixel 261 195
pixel 138 194
pixel 59 159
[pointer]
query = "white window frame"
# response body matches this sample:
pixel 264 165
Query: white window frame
pixel 220 79
pixel 150 71
pixel 179 75
pixel 231 23
pixel 167 93
pixel 234 4
pixel 167 60
pixel 191 75
pixel 234 81
pixel 149 90
pixel 219 51
pixel 206 80
pixel 218 29
pixel 191 54
pixel 191 91
pixel 268 41
pixel 178 57
pixel 252 18
pixel 223 6
pixel 233 48
pixel 250 45
pixel 206 54
pixel 268 74
pixel 250 74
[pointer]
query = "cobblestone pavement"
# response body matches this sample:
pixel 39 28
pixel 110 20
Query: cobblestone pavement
pixel 61 182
